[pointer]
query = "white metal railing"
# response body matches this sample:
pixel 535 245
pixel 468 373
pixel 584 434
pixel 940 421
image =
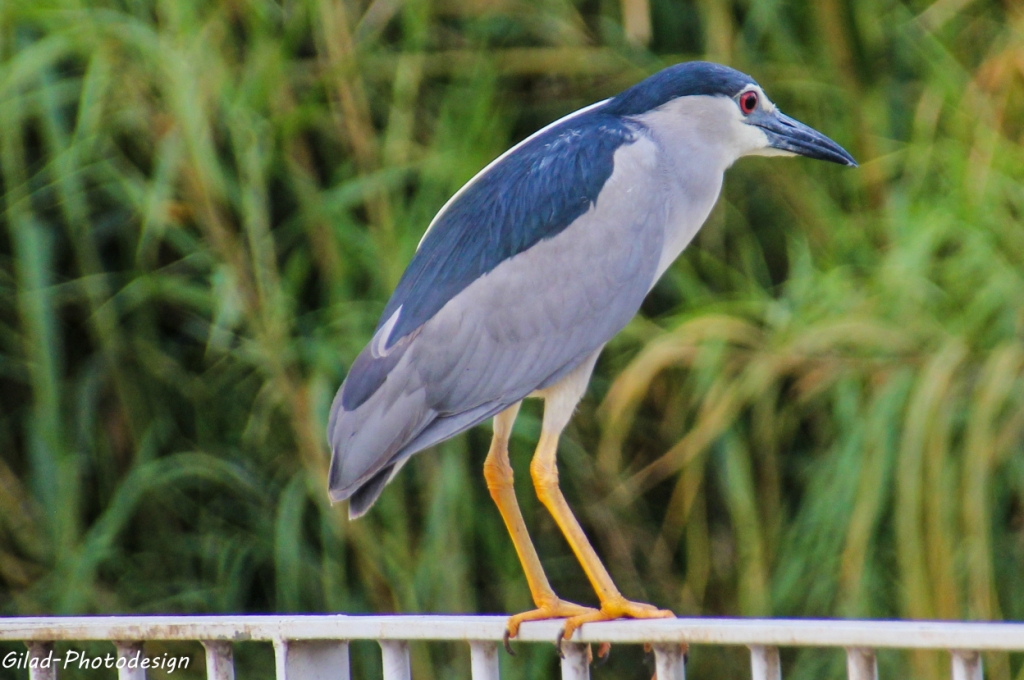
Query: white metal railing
pixel 316 647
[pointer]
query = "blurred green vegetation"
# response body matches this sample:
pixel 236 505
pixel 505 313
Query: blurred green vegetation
pixel 206 205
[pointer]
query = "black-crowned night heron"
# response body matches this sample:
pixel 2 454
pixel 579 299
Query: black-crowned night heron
pixel 527 272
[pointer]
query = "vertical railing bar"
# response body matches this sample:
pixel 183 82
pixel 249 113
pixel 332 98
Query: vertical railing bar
pixel 312 659
pixel 670 661
pixel 764 663
pixel 42 669
pixel 575 661
pixel 483 656
pixel 132 668
pixel 280 659
pixel 220 660
pixel 967 665
pixel 861 664
pixel 395 655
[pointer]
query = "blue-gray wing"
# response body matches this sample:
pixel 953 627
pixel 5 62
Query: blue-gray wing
pixel 517 326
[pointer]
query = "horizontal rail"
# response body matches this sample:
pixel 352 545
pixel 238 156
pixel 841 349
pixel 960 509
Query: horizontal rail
pixel 866 634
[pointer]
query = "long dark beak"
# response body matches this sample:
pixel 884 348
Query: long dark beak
pixel 791 135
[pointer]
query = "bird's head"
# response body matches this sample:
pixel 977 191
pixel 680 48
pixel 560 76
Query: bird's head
pixel 707 103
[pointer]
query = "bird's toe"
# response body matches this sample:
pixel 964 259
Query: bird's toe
pixel 612 609
pixel 558 609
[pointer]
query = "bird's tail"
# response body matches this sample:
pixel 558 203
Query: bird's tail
pixel 380 417
pixel 378 410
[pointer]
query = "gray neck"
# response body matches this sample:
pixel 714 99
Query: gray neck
pixel 688 134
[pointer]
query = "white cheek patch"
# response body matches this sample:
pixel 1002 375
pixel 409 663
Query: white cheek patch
pixel 751 140
pixel 745 139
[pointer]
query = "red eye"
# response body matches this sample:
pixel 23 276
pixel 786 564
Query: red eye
pixel 748 102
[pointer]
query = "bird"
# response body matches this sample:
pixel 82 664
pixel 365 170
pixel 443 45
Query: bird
pixel 527 272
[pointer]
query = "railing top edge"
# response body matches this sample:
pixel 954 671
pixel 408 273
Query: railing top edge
pixel 774 632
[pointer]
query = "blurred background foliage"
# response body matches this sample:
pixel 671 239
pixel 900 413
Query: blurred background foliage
pixel 206 205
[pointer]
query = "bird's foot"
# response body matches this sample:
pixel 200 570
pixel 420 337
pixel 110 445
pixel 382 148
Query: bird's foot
pixel 553 609
pixel 614 608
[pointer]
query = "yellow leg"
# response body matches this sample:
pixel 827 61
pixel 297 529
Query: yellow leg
pixel 559 402
pixel 498 473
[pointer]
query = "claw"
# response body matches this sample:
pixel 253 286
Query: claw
pixel 604 652
pixel 505 639
pixel 558 642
